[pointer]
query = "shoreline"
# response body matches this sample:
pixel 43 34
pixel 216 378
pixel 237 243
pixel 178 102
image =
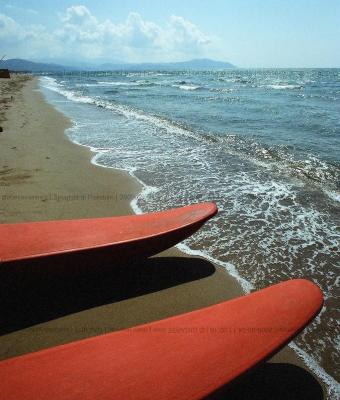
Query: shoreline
pixel 38 184
pixel 34 170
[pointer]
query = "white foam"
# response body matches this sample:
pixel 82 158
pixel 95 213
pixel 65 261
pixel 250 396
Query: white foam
pixel 146 190
pixel 51 83
pixel 120 109
pixel 147 73
pixel 110 83
pixel 333 195
pixel 117 83
pixel 333 387
pixel 144 193
pixel 284 86
pixel 187 87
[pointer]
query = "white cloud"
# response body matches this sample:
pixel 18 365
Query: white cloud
pixel 24 41
pixel 186 32
pixel 79 15
pixel 81 35
pixel 21 9
pixel 10 31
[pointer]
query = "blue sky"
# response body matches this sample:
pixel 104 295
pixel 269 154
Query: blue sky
pixel 247 33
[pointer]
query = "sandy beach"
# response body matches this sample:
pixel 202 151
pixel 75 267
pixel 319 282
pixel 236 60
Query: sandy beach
pixel 44 176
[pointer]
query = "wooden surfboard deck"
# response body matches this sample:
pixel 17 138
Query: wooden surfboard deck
pixel 120 237
pixel 183 357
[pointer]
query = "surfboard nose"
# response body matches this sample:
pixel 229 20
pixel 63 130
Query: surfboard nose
pixel 306 292
pixel 296 301
pixel 211 208
pixel 206 209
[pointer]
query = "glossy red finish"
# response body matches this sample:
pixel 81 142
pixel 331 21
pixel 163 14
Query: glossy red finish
pixel 145 234
pixel 183 357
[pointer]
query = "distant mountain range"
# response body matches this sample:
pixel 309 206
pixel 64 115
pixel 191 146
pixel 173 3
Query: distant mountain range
pixel 17 64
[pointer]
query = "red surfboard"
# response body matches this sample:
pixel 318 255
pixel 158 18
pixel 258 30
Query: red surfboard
pixel 120 237
pixel 183 357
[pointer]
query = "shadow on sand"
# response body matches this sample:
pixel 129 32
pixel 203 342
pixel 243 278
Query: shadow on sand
pixel 272 381
pixel 37 291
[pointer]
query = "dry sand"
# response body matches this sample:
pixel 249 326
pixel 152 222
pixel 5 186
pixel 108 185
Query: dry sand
pixel 43 176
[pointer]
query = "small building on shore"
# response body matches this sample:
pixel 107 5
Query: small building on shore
pixel 4 73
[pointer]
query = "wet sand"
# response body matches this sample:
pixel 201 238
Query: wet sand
pixel 43 176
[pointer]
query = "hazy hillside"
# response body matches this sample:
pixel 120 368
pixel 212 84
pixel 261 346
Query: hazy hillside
pixel 30 66
pixel 17 64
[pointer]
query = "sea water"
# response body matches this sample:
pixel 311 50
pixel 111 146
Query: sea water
pixel 263 144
